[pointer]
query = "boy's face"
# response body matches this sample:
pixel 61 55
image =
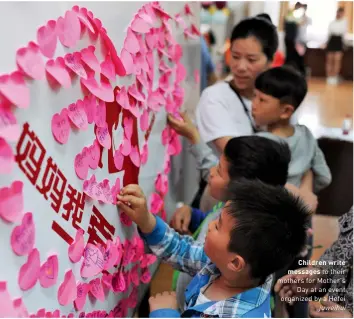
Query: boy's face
pixel 219 179
pixel 267 110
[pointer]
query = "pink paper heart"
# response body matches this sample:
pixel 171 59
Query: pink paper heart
pixel 188 10
pixel 195 30
pixel 82 15
pixel 23 236
pixel 142 45
pixel 67 292
pixel 58 71
pixel 129 252
pixel 126 147
pixel 115 191
pixel 11 202
pixel 82 290
pixel 100 116
pixel 141 64
pixel 88 56
pixel 160 12
pixel 40 313
pixel 196 76
pixel 96 289
pixel 170 104
pixel 108 69
pixel 76 249
pixel 139 248
pixel 7 308
pixel 155 100
pixel 105 191
pixel 81 165
pixel 133 91
pixel 30 61
pixel 61 126
pixel 20 308
pixel 161 184
pixel 144 121
pixel 134 275
pixel 131 43
pixel 147 260
pixel 174 146
pixel 111 255
pixel 14 88
pixel 145 276
pixel 135 156
pixel 69 29
pixel 7 159
pixel 103 90
pixel 164 82
pixel 128 126
pixel 29 272
pixel 181 73
pixel 73 61
pixel 144 154
pixel 156 203
pixel 47 39
pixel 125 220
pixel 107 280
pixel 127 61
pixel 140 25
pixel 167 164
pixel 118 282
pixel 89 187
pixel 123 99
pixel 166 135
pixel 9 129
pixel 93 262
pixel 118 159
pixel 103 137
pixel 143 80
pixel 94 154
pixel 49 272
pixel 90 108
pixel 77 115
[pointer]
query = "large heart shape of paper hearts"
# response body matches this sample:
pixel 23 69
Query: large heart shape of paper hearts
pixel 11 202
pixel 30 61
pixel 29 272
pixel 67 292
pixel 93 262
pixel 76 249
pixel 23 236
pixel 49 272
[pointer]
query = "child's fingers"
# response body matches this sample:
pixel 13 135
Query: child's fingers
pixel 125 208
pixel 130 200
pixel 132 189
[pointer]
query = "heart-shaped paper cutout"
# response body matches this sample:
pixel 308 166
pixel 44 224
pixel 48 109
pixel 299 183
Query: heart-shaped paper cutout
pixel 11 202
pixel 88 56
pixel 96 289
pixel 167 164
pixel 100 117
pixel 147 260
pixel 23 236
pixel 61 126
pixel 123 99
pixel 47 39
pixel 94 154
pixel 125 219
pixel 67 291
pixel 126 147
pixel 108 68
pixel 89 187
pixel 135 156
pixel 73 61
pixel 7 159
pixel 69 29
pixel 142 45
pixel 103 137
pixel 140 25
pixel 103 90
pixel 129 252
pixel 29 272
pixel 82 291
pixel 90 108
pixel 181 73
pixel 30 61
pixel 143 80
pixel 118 160
pixel 156 203
pixel 81 165
pixel 107 280
pixel 140 63
pixel 76 249
pixel 20 308
pixel 144 120
pixel 115 191
pixel 118 282
pixel 127 61
pixel 145 275
pixel 77 115
pixel 49 272
pixel 9 129
pixel 58 71
pixel 14 88
pixel 131 43
pixel 111 255
pixel 144 154
pixel 93 262
pixel 161 184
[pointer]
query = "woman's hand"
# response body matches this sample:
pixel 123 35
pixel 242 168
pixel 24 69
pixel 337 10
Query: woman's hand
pixel 185 128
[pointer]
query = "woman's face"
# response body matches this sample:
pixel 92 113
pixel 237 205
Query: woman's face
pixel 247 61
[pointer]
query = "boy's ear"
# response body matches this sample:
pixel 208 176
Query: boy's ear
pixel 287 112
pixel 237 264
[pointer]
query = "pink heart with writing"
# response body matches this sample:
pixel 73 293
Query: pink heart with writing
pixel 20 308
pixel 96 289
pixel 108 68
pixel 76 249
pixel 29 272
pixel 89 187
pixel 115 191
pixel 156 203
pixel 135 156
pixel 111 255
pixel 69 29
pixel 23 236
pixel 77 115
pixel 11 202
pixel 145 276
pixel 61 126
pixel 144 154
pixel 140 25
pixel 67 292
pixel 100 117
pixel 9 129
pixel 118 282
pixel 125 219
pixel 107 280
pixel 118 159
pixel 105 191
pixel 103 137
pixel 82 290
pixel 161 184
pixel 47 39
pixel 14 88
pixel 131 43
pixel 94 154
pixel 88 56
pixel 73 61
pixel 7 159
pixel 127 61
pixel 82 15
pixel 49 272
pixel 103 90
pixel 56 68
pixel 81 165
pixel 30 61
pixel 93 262
pixel 90 108
pixel 129 253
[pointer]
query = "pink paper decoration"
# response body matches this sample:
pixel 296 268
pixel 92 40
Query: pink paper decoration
pixel 67 291
pixel 29 272
pixel 30 61
pixel 7 159
pixel 49 272
pixel 82 291
pixel 47 39
pixel 11 202
pixel 23 236
pixel 93 262
pixel 61 126
pixel 68 29
pixel 73 61
pixel 14 88
pixel 76 249
pixel 56 68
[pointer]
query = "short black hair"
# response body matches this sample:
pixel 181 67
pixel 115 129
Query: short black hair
pixel 270 226
pixel 256 157
pixel 283 83
pixel 264 31
pixel 265 16
pixel 340 9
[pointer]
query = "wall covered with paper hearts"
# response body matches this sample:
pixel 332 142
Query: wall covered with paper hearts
pixel 84 92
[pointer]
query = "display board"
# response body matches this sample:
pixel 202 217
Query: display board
pixel 84 91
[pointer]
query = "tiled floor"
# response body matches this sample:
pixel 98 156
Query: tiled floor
pixel 324 106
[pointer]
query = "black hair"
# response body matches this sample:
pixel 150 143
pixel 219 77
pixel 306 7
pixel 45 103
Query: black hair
pixel 283 83
pixel 270 226
pixel 340 9
pixel 256 157
pixel 264 31
pixel 265 16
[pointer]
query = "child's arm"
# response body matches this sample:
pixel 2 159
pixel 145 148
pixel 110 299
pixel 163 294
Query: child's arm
pixel 321 172
pixel 180 251
pixel 307 181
